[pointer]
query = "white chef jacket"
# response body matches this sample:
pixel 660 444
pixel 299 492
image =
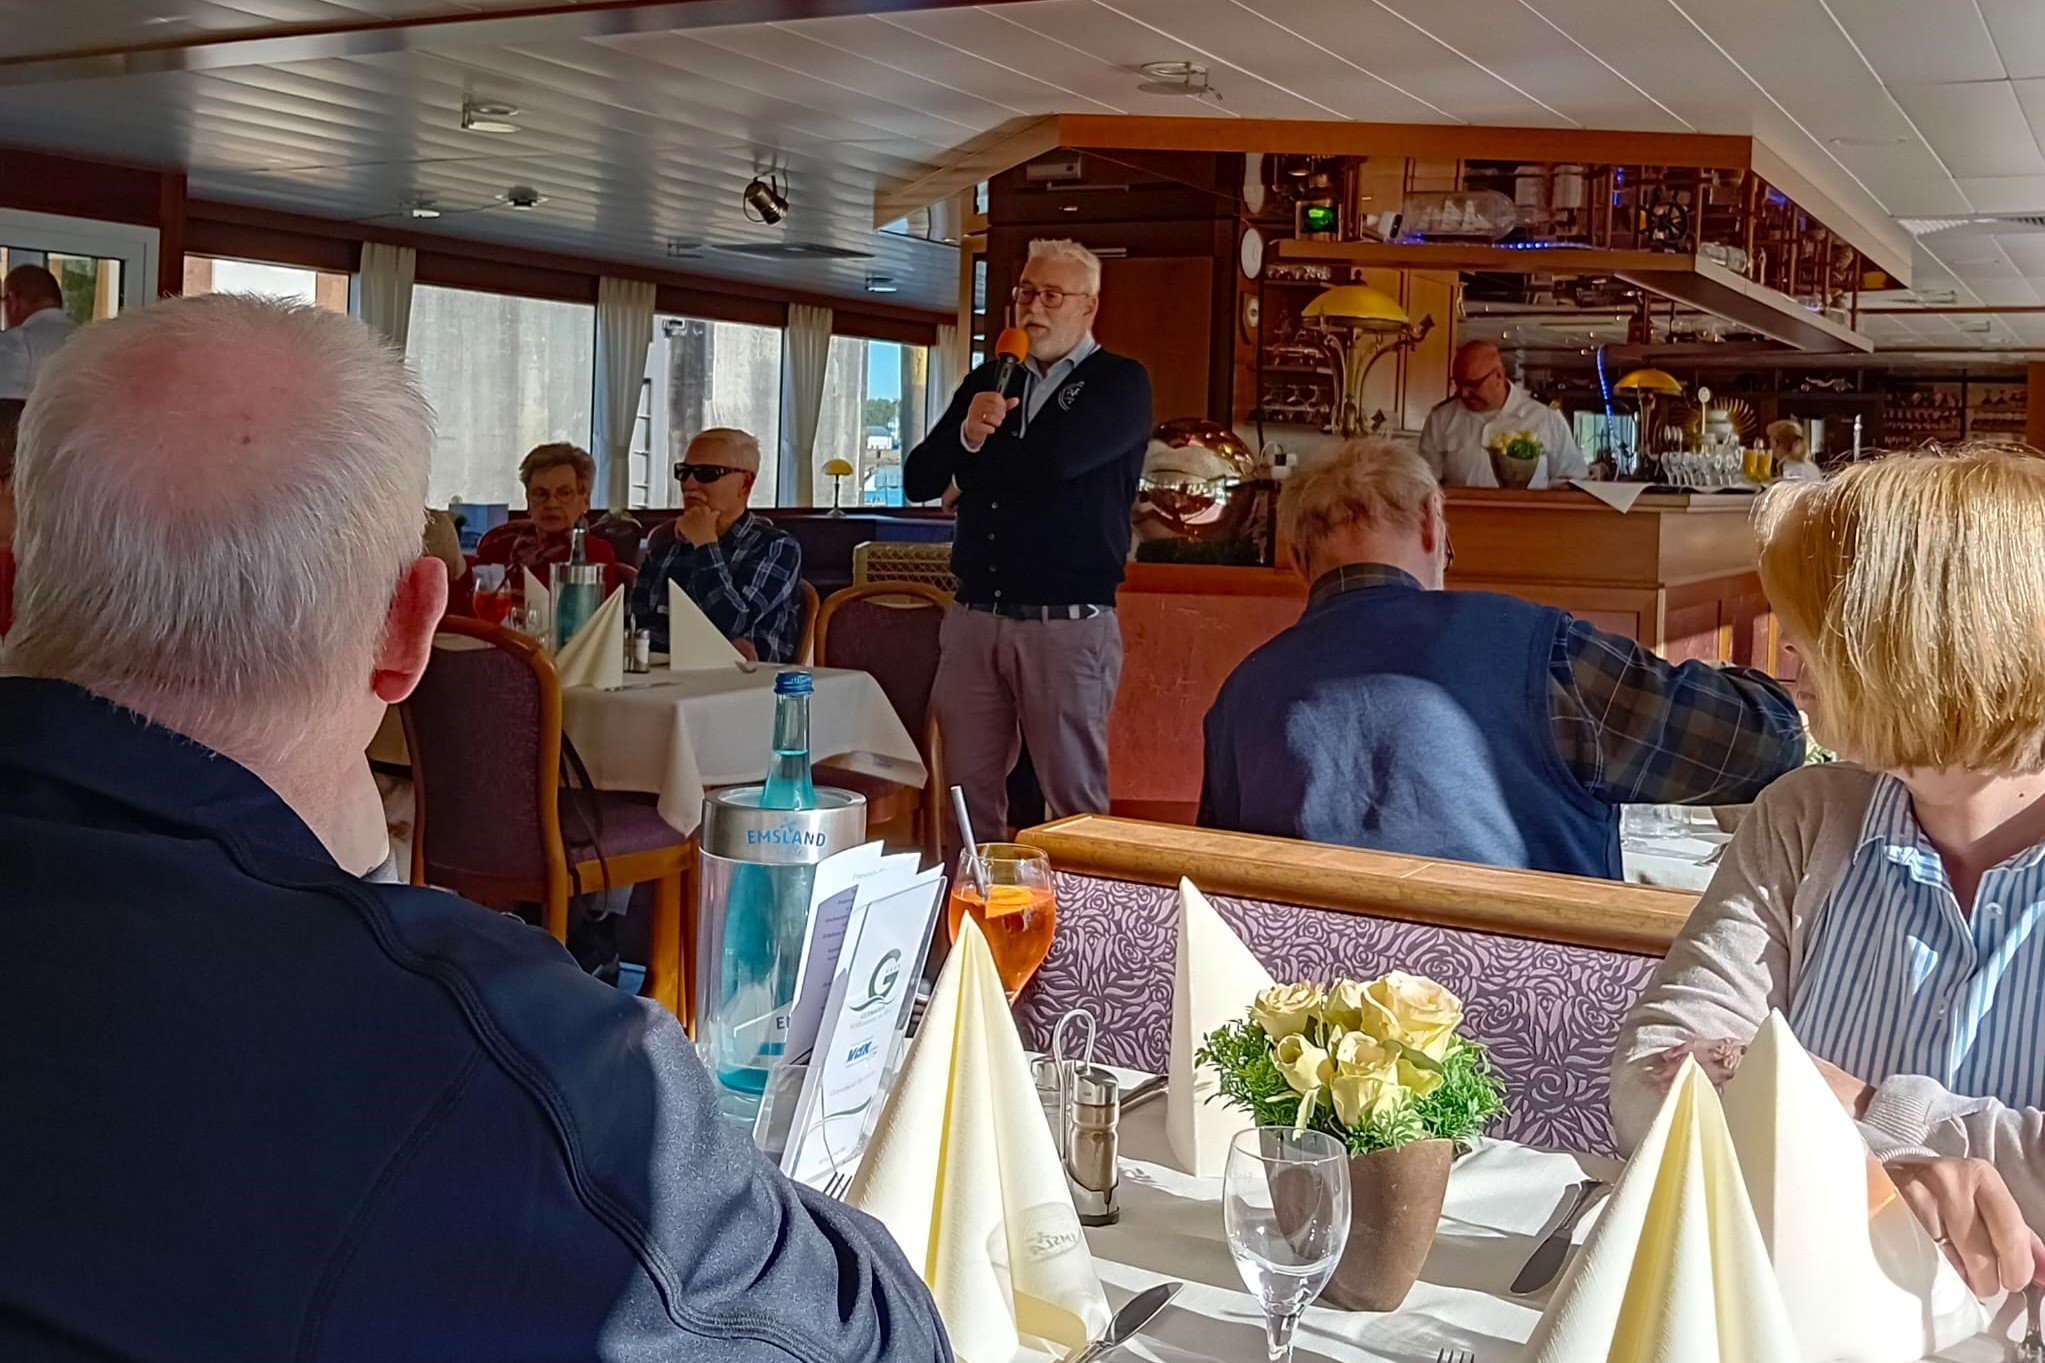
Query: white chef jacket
pixel 24 349
pixel 1453 438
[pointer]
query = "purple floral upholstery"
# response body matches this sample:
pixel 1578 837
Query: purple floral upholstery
pixel 1550 1013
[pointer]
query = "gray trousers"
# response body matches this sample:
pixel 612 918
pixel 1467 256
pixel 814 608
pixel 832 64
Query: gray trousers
pixel 1050 683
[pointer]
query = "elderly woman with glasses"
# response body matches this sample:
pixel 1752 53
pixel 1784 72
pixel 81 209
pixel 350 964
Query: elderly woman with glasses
pixel 743 573
pixel 557 479
pixel 1894 910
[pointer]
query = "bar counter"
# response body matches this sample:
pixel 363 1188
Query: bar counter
pixel 1676 573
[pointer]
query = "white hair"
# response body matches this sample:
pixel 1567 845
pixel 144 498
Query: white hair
pixel 744 445
pixel 217 499
pixel 1047 248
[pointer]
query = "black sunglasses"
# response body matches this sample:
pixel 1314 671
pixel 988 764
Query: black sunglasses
pixel 703 473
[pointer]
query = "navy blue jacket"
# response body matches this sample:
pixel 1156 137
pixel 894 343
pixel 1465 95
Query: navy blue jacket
pixel 1407 721
pixel 1044 509
pixel 253 1109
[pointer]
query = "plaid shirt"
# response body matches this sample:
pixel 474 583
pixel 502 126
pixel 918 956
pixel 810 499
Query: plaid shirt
pixel 745 581
pixel 1637 729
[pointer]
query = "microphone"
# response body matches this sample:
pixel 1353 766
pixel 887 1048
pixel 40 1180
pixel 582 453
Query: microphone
pixel 1013 346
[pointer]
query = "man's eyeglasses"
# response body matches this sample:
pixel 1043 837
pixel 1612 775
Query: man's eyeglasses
pixel 1473 385
pixel 1053 299
pixel 703 473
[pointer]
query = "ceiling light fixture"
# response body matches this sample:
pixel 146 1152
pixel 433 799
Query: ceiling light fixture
pixel 480 117
pixel 762 200
pixel 422 208
pixel 524 197
pixel 881 283
pixel 1176 78
pixel 1865 141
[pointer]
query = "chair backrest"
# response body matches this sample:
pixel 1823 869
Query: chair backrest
pixel 623 534
pixel 484 731
pixel 806 652
pixel 888 629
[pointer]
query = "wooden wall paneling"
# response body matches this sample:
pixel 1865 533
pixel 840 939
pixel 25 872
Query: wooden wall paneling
pixel 2034 411
pixel 37 182
pixel 1159 311
pixel 170 234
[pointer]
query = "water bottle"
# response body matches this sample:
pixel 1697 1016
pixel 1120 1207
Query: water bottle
pixel 578 590
pixel 767 915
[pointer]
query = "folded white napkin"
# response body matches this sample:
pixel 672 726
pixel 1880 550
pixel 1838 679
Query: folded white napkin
pixel 693 643
pixel 1619 496
pixel 540 602
pixel 1214 981
pixel 962 1171
pixel 596 655
pixel 1675 1270
pixel 1862 1280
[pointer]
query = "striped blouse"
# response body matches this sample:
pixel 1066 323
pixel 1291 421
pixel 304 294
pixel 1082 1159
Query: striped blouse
pixel 1898 980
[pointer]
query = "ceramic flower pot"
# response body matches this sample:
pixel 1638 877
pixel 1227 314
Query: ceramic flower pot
pixel 1395 1199
pixel 1511 472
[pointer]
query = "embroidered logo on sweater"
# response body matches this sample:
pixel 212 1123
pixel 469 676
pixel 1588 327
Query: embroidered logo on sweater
pixel 1069 394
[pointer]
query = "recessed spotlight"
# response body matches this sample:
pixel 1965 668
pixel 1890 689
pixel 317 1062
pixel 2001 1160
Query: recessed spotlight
pixel 1865 141
pixel 479 117
pixel 524 197
pixel 1068 208
pixel 1175 78
pixel 881 283
pixel 423 208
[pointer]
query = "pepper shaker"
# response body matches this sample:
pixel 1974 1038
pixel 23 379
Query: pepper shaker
pixel 1092 1144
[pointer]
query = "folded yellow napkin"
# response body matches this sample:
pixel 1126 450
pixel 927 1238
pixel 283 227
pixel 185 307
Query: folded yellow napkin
pixel 1675 1270
pixel 962 1171
pixel 540 603
pixel 596 655
pixel 1214 981
pixel 1859 1288
pixel 693 643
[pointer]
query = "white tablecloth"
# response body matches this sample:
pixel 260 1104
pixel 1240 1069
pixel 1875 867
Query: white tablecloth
pixel 1502 1200
pixel 1679 854
pixel 676 733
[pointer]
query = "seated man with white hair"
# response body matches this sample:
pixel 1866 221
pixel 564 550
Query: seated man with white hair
pixel 1462 725
pixel 745 574
pixel 263 1106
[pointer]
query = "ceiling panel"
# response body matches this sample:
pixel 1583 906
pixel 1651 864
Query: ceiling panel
pixel 2006 194
pixel 986 72
pixel 40 26
pixel 2018 27
pixel 1977 128
pixel 1653 46
pixel 1922 42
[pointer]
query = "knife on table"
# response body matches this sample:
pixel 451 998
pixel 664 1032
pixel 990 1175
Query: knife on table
pixel 1547 1261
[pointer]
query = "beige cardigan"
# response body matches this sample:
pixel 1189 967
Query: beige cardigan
pixel 1740 955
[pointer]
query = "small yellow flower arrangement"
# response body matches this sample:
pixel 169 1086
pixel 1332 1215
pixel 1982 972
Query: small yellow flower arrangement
pixel 1519 445
pixel 1375 1065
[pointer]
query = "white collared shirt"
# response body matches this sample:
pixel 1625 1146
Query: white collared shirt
pixel 1453 438
pixel 26 348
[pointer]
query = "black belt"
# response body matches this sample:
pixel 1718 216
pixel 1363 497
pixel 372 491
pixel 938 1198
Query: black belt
pixel 1036 612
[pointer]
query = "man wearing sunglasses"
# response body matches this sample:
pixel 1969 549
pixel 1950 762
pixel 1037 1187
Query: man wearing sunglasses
pixel 1046 475
pixel 1486 403
pixel 742 571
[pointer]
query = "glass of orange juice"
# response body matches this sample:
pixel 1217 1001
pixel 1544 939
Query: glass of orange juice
pixel 1019 912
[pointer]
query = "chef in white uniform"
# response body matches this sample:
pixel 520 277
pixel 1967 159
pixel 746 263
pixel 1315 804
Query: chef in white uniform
pixel 1486 403
pixel 36 326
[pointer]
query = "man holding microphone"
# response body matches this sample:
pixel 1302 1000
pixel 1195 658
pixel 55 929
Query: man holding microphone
pixel 1045 450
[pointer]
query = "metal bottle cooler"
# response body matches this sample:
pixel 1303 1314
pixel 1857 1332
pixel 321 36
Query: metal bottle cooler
pixel 754 876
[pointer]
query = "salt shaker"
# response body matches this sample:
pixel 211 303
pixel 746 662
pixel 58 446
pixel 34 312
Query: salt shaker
pixel 1092 1144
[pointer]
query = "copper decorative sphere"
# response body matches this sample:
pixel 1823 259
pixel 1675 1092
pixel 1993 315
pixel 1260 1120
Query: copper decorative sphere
pixel 1190 473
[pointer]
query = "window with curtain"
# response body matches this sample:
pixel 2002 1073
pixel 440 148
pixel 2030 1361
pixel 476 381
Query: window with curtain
pixel 873 411
pixel 701 374
pixel 220 274
pixel 503 374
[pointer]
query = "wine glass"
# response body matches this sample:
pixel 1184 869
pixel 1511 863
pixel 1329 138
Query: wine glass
pixel 1018 913
pixel 1285 1208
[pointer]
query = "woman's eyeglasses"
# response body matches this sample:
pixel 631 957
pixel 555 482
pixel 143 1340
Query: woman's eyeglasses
pixel 703 473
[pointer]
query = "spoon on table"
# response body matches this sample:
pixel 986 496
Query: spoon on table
pixel 1128 1323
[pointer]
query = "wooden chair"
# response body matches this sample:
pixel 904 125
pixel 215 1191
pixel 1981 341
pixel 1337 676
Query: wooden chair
pixel 805 652
pixel 484 731
pixel 890 629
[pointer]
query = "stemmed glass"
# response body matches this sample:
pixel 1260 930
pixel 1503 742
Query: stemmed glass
pixel 1285 1208
pixel 1018 913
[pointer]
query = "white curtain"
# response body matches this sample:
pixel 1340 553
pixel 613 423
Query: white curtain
pixel 809 354
pixel 947 370
pixel 383 290
pixel 624 330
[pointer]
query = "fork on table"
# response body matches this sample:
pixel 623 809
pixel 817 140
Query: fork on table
pixel 1455 1356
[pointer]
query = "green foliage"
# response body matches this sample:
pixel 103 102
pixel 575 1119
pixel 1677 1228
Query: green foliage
pixel 882 411
pixel 1468 1099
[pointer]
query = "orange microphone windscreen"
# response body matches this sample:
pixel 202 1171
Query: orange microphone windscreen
pixel 1013 342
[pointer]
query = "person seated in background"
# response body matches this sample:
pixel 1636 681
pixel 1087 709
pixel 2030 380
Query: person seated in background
pixel 299 1113
pixel 33 304
pixel 744 574
pixel 1463 725
pixel 1792 453
pixel 557 478
pixel 1894 911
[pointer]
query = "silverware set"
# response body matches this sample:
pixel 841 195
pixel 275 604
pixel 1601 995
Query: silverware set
pixel 2032 1350
pixel 1455 1356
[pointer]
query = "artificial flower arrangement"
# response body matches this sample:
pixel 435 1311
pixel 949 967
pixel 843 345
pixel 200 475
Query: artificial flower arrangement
pixel 1519 445
pixel 1376 1065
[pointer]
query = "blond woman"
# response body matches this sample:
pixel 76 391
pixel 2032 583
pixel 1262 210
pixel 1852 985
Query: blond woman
pixel 1895 910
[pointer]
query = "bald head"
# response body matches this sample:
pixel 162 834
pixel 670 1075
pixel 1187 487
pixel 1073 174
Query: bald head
pixel 217 497
pixel 27 290
pixel 1478 374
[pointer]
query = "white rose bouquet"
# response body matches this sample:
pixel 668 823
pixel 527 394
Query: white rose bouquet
pixel 1375 1065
